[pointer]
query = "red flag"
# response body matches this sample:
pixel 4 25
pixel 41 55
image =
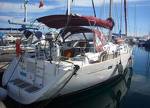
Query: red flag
pixel 41 3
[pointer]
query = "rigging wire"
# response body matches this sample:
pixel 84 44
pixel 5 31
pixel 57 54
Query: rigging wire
pixel 121 19
pixel 127 18
pixel 68 18
pixel 110 16
pixel 116 17
pixel 110 8
pixel 103 11
pixel 135 31
pixel 93 8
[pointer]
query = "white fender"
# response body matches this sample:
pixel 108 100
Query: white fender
pixel 2 105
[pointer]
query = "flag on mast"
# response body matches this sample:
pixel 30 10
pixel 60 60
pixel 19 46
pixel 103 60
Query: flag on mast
pixel 41 3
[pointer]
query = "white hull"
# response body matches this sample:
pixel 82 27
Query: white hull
pixel 94 74
pixel 58 82
pixel 26 87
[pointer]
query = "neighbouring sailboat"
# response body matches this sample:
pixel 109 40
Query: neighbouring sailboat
pixel 27 34
pixel 75 59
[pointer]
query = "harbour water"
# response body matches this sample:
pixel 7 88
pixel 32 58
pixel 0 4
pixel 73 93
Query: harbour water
pixel 138 95
pixel 134 90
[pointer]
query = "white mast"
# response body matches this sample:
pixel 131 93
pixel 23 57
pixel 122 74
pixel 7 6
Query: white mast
pixel 25 18
pixel 25 10
pixel 69 2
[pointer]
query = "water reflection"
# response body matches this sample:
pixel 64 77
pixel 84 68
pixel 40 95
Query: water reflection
pixel 139 93
pixel 106 96
pixel 141 70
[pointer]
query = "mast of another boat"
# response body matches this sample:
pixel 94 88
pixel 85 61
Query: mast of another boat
pixel 25 16
pixel 135 31
pixel 110 14
pixel 25 23
pixel 125 14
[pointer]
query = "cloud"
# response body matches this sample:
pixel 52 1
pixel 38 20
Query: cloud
pixel 5 18
pixel 88 3
pixel 11 18
pixel 34 8
pixel 142 5
pixel 19 8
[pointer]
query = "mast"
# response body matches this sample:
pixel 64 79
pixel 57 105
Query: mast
pixel 110 14
pixel 25 10
pixel 24 22
pixel 125 14
pixel 135 32
pixel 120 31
pixel 69 7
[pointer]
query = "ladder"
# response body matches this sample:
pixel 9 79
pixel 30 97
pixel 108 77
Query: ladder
pixel 39 73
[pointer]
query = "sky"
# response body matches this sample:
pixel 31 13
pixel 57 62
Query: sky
pixel 138 12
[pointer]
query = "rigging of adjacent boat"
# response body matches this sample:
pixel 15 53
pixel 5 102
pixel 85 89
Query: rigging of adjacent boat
pixel 77 58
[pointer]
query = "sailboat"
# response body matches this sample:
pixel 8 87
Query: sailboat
pixel 24 33
pixel 72 61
